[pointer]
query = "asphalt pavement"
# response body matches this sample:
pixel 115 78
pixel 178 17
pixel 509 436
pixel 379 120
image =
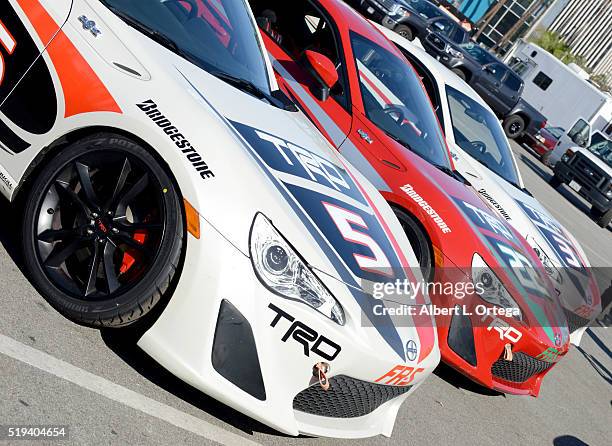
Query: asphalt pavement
pixel 109 392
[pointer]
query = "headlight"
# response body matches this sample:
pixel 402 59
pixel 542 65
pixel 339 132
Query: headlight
pixel 490 288
pixel 609 193
pixel 567 155
pixel 453 52
pixel 282 271
pixel 549 266
pixel 398 9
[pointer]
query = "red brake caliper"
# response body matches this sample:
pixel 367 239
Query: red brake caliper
pixel 128 259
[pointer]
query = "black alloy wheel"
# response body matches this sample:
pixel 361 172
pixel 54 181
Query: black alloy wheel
pixel 103 231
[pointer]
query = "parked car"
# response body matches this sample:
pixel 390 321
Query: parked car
pixel 579 135
pixel 366 99
pixel 545 140
pixel 168 182
pixel 588 171
pixel 483 155
pixel 495 82
pixel 408 18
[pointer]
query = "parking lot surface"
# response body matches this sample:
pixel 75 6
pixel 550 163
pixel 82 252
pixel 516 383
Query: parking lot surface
pixel 109 392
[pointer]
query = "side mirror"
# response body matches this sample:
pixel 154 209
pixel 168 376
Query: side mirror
pixel 439 26
pixel 323 71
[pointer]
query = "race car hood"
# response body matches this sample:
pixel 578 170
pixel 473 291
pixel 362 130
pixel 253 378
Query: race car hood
pixel 561 254
pixel 272 161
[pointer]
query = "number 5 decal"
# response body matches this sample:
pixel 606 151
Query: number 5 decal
pixel 343 218
pixel 9 44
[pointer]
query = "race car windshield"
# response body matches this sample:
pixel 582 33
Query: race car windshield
pixel 396 102
pixel 478 132
pixel 216 35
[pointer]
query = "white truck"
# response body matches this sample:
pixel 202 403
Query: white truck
pixel 564 95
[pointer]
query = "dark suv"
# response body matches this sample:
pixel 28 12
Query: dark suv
pixel 494 81
pixel 408 18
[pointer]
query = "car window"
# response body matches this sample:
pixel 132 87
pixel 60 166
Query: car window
pixel 481 55
pixel 298 26
pixel 443 26
pixel 431 87
pixel 424 8
pixel 460 35
pixel 557 132
pixel 603 150
pixel 478 132
pixel 496 70
pixel 513 82
pixel 216 35
pixel 394 100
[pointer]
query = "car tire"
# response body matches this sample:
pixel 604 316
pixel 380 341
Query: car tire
pixel 514 126
pixel 419 242
pixel 459 72
pixel 103 231
pixel 405 31
pixel 555 182
pixel 603 219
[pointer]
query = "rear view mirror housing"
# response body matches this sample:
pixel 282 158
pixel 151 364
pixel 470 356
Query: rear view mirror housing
pixel 323 71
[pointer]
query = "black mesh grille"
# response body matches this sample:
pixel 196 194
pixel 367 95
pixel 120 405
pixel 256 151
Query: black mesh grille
pixel 574 321
pixel 346 397
pixel 520 369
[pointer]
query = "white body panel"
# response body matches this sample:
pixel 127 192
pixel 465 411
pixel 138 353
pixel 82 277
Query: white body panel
pixel 217 267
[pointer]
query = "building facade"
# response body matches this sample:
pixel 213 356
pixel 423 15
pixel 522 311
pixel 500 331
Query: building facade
pixel 586 27
pixel 502 22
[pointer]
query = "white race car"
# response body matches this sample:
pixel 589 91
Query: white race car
pixel 158 163
pixel 482 154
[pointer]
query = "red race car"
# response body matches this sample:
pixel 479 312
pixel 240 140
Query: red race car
pixel 367 100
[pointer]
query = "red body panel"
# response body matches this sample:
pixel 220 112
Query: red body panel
pixel 394 169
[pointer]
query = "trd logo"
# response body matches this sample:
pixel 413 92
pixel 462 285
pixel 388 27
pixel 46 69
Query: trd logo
pixel 304 335
pixel 504 329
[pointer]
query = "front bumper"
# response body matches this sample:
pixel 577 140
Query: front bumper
pixel 473 345
pixel 593 195
pixel 272 380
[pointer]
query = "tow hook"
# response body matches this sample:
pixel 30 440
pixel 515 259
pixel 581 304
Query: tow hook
pixel 320 371
pixel 508 352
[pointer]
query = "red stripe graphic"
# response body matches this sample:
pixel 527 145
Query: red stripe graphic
pixel 83 90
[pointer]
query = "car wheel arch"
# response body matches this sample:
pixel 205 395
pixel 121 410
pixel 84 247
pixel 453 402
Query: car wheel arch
pixel 74 135
pixel 425 231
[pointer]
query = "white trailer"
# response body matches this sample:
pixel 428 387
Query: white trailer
pixel 560 92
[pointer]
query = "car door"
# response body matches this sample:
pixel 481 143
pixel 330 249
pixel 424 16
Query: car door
pixel 26 28
pixel 510 89
pixel 299 26
pixel 489 85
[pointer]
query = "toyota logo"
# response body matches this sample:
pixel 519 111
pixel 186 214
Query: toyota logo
pixel 411 350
